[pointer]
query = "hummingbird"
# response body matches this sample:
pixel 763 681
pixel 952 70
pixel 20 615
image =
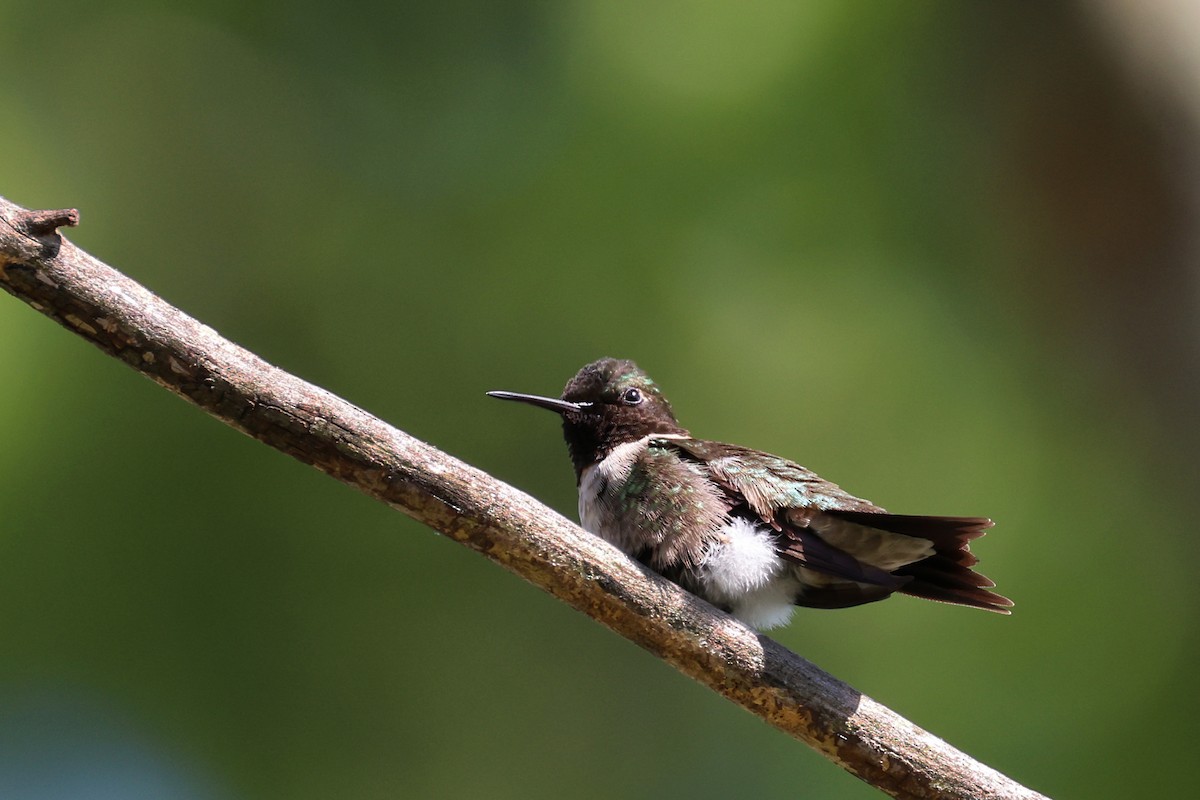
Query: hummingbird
pixel 752 533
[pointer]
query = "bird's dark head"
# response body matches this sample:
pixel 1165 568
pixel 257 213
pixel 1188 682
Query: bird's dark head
pixel 608 403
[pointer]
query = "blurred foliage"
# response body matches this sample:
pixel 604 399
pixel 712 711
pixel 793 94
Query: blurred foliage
pixel 892 241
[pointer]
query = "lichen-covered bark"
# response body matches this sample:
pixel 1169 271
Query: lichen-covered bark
pixel 127 321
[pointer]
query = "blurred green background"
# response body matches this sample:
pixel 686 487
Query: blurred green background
pixel 942 253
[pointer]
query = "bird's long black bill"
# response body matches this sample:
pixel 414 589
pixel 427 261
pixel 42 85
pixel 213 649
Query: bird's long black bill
pixel 561 406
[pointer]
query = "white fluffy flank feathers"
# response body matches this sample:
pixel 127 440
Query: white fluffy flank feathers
pixel 744 572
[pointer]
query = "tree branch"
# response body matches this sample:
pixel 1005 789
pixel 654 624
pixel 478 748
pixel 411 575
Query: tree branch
pixel 128 322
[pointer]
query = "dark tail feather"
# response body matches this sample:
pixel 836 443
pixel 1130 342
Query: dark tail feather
pixel 948 531
pixel 976 598
pixel 946 575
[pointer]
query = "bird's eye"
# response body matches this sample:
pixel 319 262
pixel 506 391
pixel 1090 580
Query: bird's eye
pixel 632 396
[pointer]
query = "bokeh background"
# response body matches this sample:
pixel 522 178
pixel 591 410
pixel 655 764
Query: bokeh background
pixel 943 253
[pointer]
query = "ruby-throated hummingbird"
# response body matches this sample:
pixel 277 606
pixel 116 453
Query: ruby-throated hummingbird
pixel 752 533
